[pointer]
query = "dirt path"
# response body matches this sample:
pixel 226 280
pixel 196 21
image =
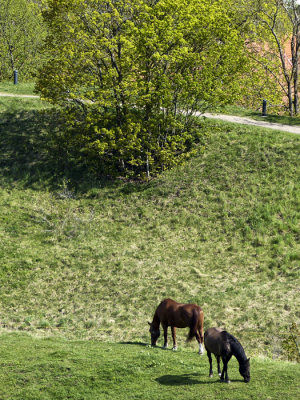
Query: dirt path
pixel 3 94
pixel 249 121
pixel 224 117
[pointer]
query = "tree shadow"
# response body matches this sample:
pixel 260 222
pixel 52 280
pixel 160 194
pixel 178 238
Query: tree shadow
pixel 35 153
pixel 28 149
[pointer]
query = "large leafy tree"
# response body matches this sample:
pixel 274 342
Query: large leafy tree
pixel 131 75
pixel 21 35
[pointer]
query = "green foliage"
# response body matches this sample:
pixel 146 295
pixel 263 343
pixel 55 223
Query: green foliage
pixel 131 75
pixel 273 45
pixel 22 34
pixel 263 78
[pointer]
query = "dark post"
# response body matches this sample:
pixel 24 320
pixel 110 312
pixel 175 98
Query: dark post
pixel 264 108
pixel 15 77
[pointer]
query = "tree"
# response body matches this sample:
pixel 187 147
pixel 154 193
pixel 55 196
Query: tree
pixel 276 45
pixel 21 35
pixel 132 74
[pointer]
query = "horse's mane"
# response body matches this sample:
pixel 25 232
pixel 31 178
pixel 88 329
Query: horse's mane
pixel 156 319
pixel 237 349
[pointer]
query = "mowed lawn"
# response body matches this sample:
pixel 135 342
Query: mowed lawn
pixel 58 369
pixel 86 260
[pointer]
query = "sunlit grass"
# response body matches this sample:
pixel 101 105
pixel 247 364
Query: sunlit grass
pixel 51 368
pixel 92 258
pixel 20 88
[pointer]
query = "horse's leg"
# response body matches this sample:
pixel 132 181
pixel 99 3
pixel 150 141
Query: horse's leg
pixel 165 327
pixel 218 361
pixel 198 337
pixel 201 334
pixel 223 371
pixel 210 363
pixel 173 329
pixel 225 360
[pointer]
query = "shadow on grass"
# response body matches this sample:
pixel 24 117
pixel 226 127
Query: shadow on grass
pixel 182 380
pixel 33 154
pixel 28 152
pixel 136 343
pixel 189 379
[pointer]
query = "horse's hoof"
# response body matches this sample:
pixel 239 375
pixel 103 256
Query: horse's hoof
pixel 211 375
pixel 174 348
pixel 228 381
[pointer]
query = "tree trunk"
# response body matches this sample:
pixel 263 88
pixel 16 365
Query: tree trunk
pixel 296 97
pixel 296 70
pixel 290 98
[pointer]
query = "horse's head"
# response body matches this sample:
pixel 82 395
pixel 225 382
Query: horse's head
pixel 155 333
pixel 245 370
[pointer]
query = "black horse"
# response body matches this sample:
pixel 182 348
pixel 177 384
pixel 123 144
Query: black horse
pixel 222 344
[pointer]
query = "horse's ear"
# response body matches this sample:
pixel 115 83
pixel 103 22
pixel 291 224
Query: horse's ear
pixel 248 360
pixel 149 323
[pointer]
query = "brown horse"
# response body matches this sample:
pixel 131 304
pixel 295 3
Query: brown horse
pixel 222 344
pixel 177 315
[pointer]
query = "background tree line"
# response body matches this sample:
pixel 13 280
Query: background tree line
pixel 130 76
pixel 22 32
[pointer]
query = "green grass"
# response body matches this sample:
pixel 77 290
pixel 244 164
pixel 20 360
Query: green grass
pixel 57 369
pixel 88 258
pixel 11 105
pixel 257 115
pixel 93 259
pixel 20 88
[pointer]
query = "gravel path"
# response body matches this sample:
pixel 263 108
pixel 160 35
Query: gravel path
pixel 3 94
pixel 249 121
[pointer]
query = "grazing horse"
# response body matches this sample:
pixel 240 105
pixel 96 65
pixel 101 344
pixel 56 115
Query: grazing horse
pixel 222 344
pixel 177 315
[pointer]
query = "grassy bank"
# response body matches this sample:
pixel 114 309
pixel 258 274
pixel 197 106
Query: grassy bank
pixel 57 369
pixel 92 258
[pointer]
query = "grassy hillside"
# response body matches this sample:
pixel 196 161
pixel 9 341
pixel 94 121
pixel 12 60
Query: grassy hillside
pixel 91 259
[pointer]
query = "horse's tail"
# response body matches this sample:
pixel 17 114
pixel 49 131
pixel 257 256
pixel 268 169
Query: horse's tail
pixel 195 322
